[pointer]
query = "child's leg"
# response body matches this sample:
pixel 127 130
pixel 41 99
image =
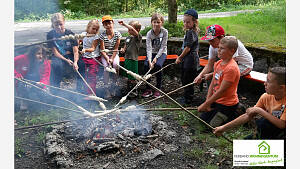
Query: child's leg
pixel 158 65
pixel 187 77
pixel 266 130
pixel 92 68
pixel 105 73
pixel 146 69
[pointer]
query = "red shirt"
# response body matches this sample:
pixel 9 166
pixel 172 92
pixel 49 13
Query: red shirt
pixel 21 64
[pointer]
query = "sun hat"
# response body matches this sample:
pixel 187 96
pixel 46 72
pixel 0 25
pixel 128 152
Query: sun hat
pixel 192 12
pixel 106 18
pixel 212 32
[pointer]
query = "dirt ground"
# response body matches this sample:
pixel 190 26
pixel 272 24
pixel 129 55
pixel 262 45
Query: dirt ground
pixel 33 149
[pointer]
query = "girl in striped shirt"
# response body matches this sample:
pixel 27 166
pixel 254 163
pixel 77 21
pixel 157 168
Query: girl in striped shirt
pixel 110 40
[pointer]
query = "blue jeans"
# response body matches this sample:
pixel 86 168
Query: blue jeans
pixel 158 65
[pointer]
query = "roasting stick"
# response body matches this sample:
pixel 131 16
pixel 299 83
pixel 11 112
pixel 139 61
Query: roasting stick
pixel 153 109
pixel 47 104
pixel 90 97
pixel 85 112
pixel 100 103
pixel 76 36
pixel 146 76
pixel 123 99
pixel 167 93
pixel 140 78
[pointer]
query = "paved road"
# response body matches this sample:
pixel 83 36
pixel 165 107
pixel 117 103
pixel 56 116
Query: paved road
pixel 27 33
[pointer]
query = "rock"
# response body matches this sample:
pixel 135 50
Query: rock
pixel 170 148
pixel 149 155
pixel 185 139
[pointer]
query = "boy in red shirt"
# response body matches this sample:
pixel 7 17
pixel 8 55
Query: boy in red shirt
pixel 271 106
pixel 222 99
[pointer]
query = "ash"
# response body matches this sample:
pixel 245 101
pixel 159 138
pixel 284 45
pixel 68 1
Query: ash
pixel 120 140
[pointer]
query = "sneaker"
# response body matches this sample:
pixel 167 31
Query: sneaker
pixel 156 94
pixel 147 93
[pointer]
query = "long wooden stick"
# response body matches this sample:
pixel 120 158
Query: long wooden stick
pixel 154 109
pixel 204 122
pixel 149 101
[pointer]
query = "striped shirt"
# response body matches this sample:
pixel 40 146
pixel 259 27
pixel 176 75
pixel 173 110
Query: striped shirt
pixel 110 43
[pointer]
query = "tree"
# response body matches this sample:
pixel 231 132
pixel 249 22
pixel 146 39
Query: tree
pixel 172 11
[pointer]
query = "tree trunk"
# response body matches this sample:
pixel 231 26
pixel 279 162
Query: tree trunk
pixel 172 11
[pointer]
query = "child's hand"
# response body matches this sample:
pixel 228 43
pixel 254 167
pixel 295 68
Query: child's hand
pixel 218 131
pixel 121 23
pixel 178 60
pixel 83 51
pixel 122 50
pixel 198 79
pixel 208 76
pixel 70 62
pixel 75 66
pixel 110 61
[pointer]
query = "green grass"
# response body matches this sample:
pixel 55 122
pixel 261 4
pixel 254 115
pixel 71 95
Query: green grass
pixel 267 26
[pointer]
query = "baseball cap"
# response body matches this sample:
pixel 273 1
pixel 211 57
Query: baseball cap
pixel 192 12
pixel 212 32
pixel 106 18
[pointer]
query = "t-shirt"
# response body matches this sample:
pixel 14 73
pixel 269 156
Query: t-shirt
pixel 191 59
pixel 61 45
pixel 231 73
pixel 157 44
pixel 110 43
pixel 242 56
pixel 276 107
pixel 87 43
pixel 133 44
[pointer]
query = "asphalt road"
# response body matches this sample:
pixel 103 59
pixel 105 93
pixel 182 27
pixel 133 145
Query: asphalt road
pixel 27 33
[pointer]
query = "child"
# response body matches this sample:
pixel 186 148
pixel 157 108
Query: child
pixel 189 56
pixel 109 39
pixel 63 50
pixel 156 43
pixel 90 53
pixel 271 106
pixel 214 33
pixel 131 48
pixel 32 66
pixel 222 99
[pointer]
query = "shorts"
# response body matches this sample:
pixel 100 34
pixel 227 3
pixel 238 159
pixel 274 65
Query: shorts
pixel 132 65
pixel 115 63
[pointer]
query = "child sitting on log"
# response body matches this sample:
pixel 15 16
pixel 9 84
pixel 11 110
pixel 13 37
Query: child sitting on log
pixel 271 106
pixel 222 99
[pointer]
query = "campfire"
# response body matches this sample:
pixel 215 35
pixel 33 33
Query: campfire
pixel 117 135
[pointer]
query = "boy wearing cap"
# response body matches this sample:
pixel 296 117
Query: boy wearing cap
pixel 189 56
pixel 214 33
pixel 222 99
pixel 271 106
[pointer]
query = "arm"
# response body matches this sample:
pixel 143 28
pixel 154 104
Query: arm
pixel 130 28
pixel 93 47
pixel 207 69
pixel 210 99
pixel 244 118
pixel 58 55
pixel 104 54
pixel 19 62
pixel 76 57
pixel 185 51
pixel 115 53
pixel 272 119
pixel 149 48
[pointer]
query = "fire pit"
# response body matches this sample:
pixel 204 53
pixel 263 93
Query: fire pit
pixel 118 140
